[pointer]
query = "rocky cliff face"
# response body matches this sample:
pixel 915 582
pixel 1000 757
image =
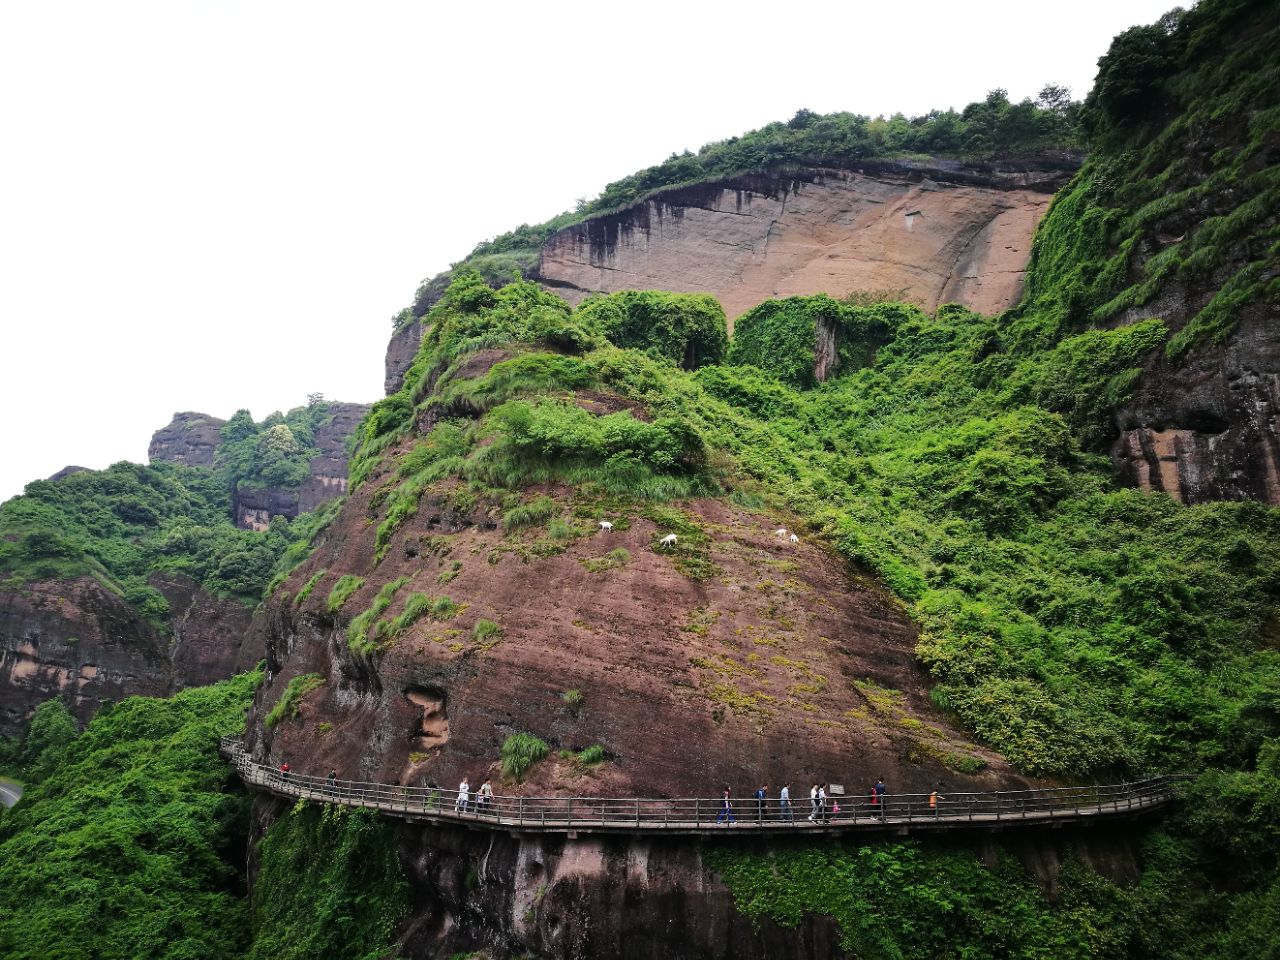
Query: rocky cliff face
pixel 78 641
pixel 940 234
pixel 190 439
pixel 1206 426
pixel 940 231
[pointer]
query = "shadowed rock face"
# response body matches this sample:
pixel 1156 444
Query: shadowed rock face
pixel 1207 427
pixel 78 641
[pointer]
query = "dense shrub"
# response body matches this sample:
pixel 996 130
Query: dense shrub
pixel 520 752
pixel 687 328
pixel 128 846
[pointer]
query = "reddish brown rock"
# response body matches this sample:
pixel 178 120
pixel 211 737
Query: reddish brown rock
pixel 79 641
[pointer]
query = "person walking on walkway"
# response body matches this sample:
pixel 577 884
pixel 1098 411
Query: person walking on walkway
pixel 725 815
pixel 284 772
pixel 486 795
pixel 879 797
pixel 330 782
pixel 784 803
pixel 761 798
pixel 464 796
pixel 822 803
pixel 813 803
pixel 934 799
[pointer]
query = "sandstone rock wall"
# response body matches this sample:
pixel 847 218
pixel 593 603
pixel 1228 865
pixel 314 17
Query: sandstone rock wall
pixel 78 641
pixel 932 233
pixel 940 230
pixel 190 439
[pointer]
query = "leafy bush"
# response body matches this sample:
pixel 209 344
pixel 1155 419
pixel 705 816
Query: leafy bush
pixel 329 885
pixel 687 328
pixel 520 752
pixel 128 847
pixel 486 632
pixel 287 706
pixel 51 731
pixel 573 699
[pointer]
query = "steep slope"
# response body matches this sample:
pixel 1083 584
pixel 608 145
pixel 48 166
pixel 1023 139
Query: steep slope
pixel 443 614
pixel 1176 216
pixel 133 580
pixel 932 231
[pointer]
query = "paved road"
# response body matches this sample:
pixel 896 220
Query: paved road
pixel 10 791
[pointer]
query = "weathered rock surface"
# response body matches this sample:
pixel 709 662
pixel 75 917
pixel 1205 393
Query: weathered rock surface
pixel 934 233
pixel 329 469
pixel 78 641
pixel 779 665
pixel 193 438
pixel 74 640
pixel 941 231
pixel 190 439
pixel 1206 427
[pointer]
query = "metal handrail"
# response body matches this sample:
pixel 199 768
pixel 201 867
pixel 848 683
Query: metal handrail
pixel 699 814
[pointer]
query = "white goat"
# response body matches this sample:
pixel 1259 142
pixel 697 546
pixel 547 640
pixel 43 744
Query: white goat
pixel 780 532
pixel 794 538
pixel 668 541
pixel 606 526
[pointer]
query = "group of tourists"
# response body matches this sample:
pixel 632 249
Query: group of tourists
pixel 822 805
pixel 480 803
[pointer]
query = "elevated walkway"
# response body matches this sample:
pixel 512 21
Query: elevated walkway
pixel 902 813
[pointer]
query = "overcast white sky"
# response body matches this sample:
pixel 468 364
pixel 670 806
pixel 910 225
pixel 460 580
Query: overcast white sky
pixel 207 206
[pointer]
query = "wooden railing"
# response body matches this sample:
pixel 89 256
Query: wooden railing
pixel 953 809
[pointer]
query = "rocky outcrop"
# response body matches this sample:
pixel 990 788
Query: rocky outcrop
pixel 75 640
pixel 940 231
pixel 79 641
pixel 190 439
pixel 401 349
pixel 329 468
pixel 68 471
pixel 940 235
pixel 1206 426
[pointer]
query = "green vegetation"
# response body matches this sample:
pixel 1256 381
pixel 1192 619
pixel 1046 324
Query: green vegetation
pixel 343 588
pixel 573 699
pixel 274 453
pixel 365 630
pixel 617 557
pixel 307 587
pixel 286 707
pixel 329 885
pixel 781 336
pixel 1181 190
pixel 527 514
pixel 127 841
pixel 486 632
pixel 687 328
pixel 123 524
pixel 586 759
pixel 520 752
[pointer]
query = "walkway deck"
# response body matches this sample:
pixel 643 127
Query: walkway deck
pixel 903 813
